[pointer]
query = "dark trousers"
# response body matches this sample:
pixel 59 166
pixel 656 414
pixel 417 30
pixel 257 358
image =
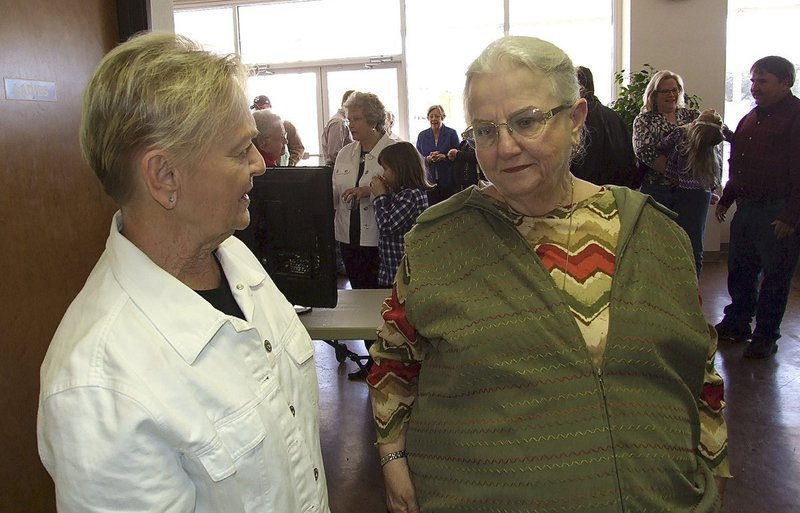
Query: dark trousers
pixel 361 263
pixel 755 252
pixel 691 205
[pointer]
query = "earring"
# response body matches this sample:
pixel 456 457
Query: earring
pixel 171 198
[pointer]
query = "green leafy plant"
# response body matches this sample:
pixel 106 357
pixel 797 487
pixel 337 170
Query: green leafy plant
pixel 630 99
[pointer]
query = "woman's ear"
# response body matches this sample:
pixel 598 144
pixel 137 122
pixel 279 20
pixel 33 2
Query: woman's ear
pixel 578 115
pixel 159 178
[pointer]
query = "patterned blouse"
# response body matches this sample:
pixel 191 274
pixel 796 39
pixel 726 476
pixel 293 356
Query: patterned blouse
pixel 649 128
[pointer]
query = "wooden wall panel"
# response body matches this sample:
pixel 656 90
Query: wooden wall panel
pixel 54 214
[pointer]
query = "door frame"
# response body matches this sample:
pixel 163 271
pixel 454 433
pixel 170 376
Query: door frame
pixel 324 103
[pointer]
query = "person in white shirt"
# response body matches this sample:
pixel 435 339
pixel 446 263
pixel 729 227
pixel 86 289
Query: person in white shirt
pixel 336 134
pixel 180 379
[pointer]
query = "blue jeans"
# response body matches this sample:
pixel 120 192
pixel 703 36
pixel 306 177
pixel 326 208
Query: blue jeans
pixel 756 252
pixel 691 205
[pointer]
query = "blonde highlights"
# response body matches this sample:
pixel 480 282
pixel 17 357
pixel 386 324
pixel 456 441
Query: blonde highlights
pixel 697 145
pixel 650 92
pixel 157 90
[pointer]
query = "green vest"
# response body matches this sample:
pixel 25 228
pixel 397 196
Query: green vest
pixel 512 415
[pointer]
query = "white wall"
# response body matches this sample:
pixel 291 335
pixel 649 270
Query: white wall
pixel 687 37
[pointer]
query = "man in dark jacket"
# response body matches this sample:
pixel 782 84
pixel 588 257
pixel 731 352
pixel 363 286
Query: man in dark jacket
pixel 608 150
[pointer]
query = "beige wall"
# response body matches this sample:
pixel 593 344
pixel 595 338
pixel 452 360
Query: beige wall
pixel 685 36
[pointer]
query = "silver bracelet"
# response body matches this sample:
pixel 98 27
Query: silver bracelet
pixel 392 456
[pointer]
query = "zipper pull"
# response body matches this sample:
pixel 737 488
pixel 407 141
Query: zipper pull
pixel 600 379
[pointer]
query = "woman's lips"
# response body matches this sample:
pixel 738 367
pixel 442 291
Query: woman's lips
pixel 515 169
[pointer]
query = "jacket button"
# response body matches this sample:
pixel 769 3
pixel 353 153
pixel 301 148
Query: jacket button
pixel 316 474
pixel 239 286
pixel 291 409
pixel 268 346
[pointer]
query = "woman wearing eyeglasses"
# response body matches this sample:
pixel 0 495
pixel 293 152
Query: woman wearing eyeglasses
pixel 663 111
pixel 535 355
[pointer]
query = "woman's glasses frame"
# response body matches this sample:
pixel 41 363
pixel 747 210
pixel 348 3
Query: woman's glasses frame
pixel 528 123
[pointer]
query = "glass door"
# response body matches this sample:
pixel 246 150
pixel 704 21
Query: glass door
pixel 309 96
pixel 294 97
pixel 382 81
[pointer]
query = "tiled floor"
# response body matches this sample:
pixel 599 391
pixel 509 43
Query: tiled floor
pixel 763 417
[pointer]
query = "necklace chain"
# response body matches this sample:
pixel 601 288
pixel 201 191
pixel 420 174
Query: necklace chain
pixel 569 230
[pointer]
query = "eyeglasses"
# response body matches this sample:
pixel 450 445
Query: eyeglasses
pixel 528 123
pixel 284 136
pixel 674 91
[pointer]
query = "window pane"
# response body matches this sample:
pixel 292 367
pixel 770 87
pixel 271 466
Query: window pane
pixel 319 30
pixel 379 81
pixel 212 28
pixel 756 28
pixel 442 39
pixel 293 97
pixel 582 28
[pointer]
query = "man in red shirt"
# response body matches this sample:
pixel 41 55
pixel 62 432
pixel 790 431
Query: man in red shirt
pixel 765 184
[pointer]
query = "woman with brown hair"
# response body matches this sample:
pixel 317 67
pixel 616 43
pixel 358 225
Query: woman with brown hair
pixel 399 196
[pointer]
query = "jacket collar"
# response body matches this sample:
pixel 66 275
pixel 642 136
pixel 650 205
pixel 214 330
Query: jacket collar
pixel 186 320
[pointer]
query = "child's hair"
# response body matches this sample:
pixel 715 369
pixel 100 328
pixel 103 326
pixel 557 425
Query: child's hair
pixel 406 162
pixel 697 145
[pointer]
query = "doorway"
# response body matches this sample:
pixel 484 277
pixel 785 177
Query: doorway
pixel 308 96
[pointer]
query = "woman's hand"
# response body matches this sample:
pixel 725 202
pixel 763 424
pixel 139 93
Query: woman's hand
pixel 436 156
pixel 355 194
pixel 452 154
pixel 782 229
pixel 378 186
pixel 720 212
pixel 660 164
pixel 401 497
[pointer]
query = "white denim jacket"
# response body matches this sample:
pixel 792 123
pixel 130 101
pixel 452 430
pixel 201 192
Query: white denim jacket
pixel 153 400
pixel 345 173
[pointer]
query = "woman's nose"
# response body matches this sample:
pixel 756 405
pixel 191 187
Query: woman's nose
pixel 507 144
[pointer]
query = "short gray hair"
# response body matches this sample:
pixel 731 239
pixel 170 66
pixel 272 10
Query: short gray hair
pixel 532 53
pixel 265 120
pixel 371 106
pixel 157 90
